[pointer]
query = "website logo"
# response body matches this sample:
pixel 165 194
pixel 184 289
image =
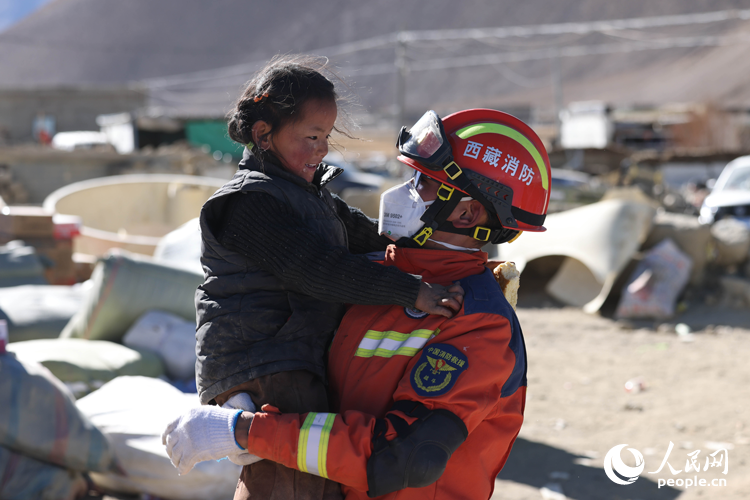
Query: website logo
pixel 620 473
pixel 616 469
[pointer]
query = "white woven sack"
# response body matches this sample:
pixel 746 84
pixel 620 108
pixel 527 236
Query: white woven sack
pixel 169 336
pixel 132 412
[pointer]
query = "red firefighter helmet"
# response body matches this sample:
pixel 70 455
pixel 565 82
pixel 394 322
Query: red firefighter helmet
pixel 502 157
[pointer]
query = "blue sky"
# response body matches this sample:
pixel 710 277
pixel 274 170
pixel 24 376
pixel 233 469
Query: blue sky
pixel 12 11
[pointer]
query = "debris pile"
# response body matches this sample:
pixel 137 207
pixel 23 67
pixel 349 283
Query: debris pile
pixel 124 343
pixel 51 237
pixel 629 252
pixel 10 190
pixel 655 284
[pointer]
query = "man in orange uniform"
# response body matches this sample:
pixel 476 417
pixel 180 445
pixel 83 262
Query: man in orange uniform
pixel 426 407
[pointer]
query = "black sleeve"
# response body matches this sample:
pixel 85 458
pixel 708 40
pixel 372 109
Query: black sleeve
pixel 362 230
pixel 266 231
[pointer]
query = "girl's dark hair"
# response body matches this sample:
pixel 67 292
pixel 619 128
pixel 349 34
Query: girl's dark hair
pixel 276 95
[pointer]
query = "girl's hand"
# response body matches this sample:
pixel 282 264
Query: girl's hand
pixel 437 299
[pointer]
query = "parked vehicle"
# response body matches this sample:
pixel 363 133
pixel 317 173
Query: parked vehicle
pixel 571 189
pixel 352 177
pixel 730 196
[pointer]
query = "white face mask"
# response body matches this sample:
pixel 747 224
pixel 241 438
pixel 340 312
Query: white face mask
pixel 400 210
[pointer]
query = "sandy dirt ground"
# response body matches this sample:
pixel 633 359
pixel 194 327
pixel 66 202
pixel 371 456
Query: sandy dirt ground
pixel 696 395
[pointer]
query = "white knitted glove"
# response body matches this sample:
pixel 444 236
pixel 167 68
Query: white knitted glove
pixel 205 433
pixel 241 401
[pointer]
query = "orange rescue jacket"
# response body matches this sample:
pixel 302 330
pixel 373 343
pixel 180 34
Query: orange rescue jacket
pixel 473 365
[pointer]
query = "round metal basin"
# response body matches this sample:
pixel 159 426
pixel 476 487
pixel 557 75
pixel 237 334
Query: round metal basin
pixel 131 212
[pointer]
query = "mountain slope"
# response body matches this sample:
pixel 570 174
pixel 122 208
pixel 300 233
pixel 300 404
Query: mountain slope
pixel 102 42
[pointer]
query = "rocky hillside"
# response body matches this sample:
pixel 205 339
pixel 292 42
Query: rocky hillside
pixel 208 49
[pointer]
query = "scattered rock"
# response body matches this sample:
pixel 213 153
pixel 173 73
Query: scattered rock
pixel 564 476
pixel 691 237
pixel 665 328
pixel 588 459
pixel 684 333
pixel 633 407
pixel 736 290
pixel 625 324
pixel 585 461
pixel 12 193
pixel 635 385
pixel 711 300
pixel 718 445
pixel 731 240
pixel 552 491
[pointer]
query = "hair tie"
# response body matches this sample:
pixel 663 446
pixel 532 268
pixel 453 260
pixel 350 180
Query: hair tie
pixel 260 97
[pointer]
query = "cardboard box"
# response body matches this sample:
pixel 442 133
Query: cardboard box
pixel 57 257
pixel 84 266
pixel 17 223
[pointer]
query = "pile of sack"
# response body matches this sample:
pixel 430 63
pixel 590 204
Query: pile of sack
pixel 94 372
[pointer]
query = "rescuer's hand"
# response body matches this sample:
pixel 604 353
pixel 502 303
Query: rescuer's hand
pixel 437 299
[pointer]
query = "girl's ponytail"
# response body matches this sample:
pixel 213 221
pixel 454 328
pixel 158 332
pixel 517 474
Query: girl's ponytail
pixel 276 95
pixel 239 131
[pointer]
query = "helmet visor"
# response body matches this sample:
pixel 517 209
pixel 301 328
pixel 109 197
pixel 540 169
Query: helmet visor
pixel 426 142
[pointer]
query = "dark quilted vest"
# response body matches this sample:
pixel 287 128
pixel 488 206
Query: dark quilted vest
pixel 251 324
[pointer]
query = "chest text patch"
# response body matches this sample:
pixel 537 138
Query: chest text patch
pixel 437 370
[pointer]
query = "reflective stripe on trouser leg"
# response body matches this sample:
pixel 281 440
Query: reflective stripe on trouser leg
pixel 312 448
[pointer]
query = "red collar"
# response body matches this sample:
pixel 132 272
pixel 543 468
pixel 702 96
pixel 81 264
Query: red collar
pixel 436 266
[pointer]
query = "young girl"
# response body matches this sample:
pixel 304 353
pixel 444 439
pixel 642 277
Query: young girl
pixel 282 256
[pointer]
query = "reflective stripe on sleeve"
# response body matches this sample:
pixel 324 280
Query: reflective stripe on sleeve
pixel 387 344
pixel 312 448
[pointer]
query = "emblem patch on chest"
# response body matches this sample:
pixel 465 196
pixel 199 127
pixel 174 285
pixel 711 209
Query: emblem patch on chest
pixel 437 370
pixel 415 313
